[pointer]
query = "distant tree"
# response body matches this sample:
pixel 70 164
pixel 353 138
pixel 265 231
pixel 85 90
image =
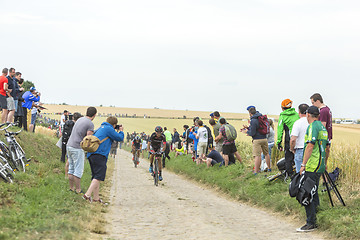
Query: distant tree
pixel 27 85
pixel 64 104
pixel 101 105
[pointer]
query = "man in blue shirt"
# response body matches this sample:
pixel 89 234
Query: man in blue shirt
pixel 29 101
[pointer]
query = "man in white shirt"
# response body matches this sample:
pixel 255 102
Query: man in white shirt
pixel 63 119
pixel 202 135
pixel 297 139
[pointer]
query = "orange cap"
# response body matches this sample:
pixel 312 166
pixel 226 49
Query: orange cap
pixel 287 103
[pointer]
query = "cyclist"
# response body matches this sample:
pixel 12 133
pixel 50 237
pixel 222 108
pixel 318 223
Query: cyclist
pixel 136 147
pixel 157 142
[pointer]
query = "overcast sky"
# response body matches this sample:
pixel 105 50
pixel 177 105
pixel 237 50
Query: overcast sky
pixel 197 55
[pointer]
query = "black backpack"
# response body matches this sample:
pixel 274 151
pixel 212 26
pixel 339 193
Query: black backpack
pixel 210 137
pixel 68 126
pixel 306 190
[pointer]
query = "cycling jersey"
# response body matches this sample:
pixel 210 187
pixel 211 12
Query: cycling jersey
pixel 136 144
pixel 156 142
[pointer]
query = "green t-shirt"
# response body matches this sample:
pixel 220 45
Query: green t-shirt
pixel 168 136
pixel 316 134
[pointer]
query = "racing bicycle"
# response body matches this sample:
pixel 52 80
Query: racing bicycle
pixel 6 171
pixel 157 158
pixel 136 157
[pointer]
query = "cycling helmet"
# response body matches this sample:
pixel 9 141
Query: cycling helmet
pixel 137 138
pixel 158 129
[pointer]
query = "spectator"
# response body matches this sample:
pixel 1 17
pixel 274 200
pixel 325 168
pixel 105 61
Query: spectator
pixel 180 150
pixel 99 158
pixel 314 162
pixel 228 145
pixel 192 135
pixel 202 136
pixel 260 143
pixel 63 119
pixel 168 136
pixel 188 140
pixel 3 94
pixel 68 126
pixel 10 96
pixel 216 126
pixel 19 112
pixel 30 98
pixel 325 115
pixel 176 139
pixel 271 142
pixel 214 157
pixel 286 121
pixel 17 89
pixel 113 149
pixel 298 136
pixel 217 116
pixel 76 155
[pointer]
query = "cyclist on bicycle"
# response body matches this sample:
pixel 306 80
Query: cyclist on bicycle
pixel 157 143
pixel 136 147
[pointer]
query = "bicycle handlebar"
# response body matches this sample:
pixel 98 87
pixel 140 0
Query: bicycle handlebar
pixel 9 125
pixel 156 153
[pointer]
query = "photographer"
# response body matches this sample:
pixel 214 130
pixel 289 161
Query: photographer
pixel 98 159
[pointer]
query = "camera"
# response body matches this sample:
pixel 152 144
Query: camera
pixel 117 127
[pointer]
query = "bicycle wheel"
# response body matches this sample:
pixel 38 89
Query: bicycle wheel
pixel 5 152
pixel 5 171
pixel 20 165
pixel 156 172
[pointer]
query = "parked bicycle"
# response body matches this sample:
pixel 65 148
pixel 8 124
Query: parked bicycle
pixel 6 171
pixel 14 150
pixel 157 158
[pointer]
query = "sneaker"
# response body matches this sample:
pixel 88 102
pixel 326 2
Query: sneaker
pixel 80 193
pixel 160 178
pixel 307 228
pixel 101 202
pixel 150 169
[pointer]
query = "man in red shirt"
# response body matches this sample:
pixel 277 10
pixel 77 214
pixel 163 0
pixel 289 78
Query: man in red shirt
pixel 3 92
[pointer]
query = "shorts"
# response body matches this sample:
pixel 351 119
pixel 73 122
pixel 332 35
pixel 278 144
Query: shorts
pixel 201 148
pixel 260 146
pixel 33 119
pixel 10 103
pixel 76 161
pixel 3 102
pixel 229 148
pixel 98 166
pixel 113 151
pixel 219 146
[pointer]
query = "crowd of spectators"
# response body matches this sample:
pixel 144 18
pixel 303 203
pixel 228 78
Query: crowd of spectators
pixel 18 105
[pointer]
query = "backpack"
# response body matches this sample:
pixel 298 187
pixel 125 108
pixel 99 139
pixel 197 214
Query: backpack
pixel 210 137
pixel 230 132
pixel 306 191
pixel 264 126
pixel 68 126
pixel 91 143
pixel 295 184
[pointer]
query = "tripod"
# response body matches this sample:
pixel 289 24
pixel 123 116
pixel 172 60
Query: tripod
pixel 327 181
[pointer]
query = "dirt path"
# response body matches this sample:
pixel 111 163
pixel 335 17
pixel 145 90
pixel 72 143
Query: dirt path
pixel 179 209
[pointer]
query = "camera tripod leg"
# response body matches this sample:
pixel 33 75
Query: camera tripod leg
pixel 333 186
pixel 327 188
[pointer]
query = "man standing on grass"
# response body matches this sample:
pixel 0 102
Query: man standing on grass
pixel 229 146
pixel 287 118
pixel 3 94
pixel 325 115
pixel 168 136
pixel 260 143
pixel 298 136
pixel 10 96
pixel 314 162
pixel 76 155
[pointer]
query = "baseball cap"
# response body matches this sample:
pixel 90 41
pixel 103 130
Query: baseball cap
pixel 212 114
pixel 287 103
pixel 313 110
pixel 248 108
pixel 32 89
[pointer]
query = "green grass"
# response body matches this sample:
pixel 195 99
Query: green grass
pixel 38 204
pixel 238 182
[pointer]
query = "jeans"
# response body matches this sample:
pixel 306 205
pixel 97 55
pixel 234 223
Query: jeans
pixel 298 158
pixel 311 208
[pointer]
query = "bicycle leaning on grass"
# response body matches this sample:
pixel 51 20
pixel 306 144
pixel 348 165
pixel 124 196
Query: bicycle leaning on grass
pixel 13 151
pixel 6 171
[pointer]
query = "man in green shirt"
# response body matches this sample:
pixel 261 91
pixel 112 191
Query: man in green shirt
pixel 287 118
pixel 168 136
pixel 314 161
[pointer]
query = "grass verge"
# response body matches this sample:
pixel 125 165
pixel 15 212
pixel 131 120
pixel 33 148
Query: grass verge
pixel 239 182
pixel 38 205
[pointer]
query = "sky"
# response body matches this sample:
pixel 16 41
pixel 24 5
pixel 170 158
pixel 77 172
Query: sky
pixel 197 55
